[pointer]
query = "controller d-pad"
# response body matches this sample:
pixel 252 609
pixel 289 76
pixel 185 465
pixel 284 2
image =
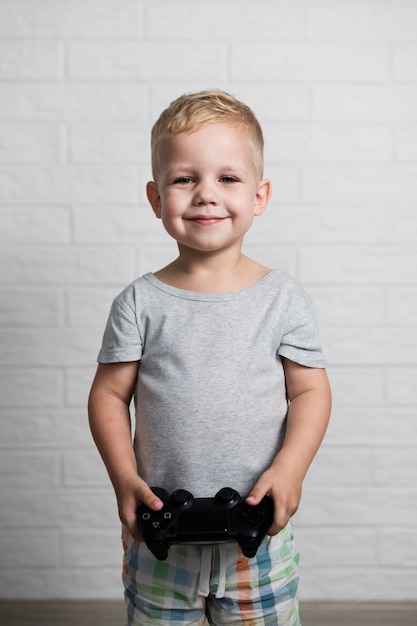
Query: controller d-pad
pixel 255 512
pixel 246 517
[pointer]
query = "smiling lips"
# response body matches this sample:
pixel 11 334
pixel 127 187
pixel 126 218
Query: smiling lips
pixel 206 220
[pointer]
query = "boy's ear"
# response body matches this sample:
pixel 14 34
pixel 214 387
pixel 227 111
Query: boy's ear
pixel 154 197
pixel 263 195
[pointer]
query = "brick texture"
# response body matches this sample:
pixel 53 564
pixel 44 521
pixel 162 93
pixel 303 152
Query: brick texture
pixel 335 87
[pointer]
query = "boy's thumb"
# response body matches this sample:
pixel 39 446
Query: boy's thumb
pixel 255 496
pixel 151 499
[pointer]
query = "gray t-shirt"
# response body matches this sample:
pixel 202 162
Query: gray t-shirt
pixel 210 396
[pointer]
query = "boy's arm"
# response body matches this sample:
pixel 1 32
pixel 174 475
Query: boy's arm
pixel 108 410
pixel 309 394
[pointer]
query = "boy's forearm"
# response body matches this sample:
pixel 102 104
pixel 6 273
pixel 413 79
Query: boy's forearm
pixel 307 421
pixel 108 411
pixel 111 429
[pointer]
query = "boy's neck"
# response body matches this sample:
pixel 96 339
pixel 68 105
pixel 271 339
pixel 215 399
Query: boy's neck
pixel 214 273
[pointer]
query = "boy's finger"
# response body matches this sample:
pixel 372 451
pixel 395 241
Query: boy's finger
pixel 256 495
pixel 150 499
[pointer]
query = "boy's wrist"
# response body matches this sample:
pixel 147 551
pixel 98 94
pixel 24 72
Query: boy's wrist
pixel 286 464
pixel 125 481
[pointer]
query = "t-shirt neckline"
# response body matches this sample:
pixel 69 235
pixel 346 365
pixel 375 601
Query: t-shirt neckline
pixel 206 296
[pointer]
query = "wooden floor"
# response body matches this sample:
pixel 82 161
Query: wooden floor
pixel 101 613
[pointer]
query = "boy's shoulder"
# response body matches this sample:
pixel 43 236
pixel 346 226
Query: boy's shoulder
pixel 131 294
pixel 138 284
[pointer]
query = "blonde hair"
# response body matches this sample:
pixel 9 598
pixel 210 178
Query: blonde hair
pixel 191 111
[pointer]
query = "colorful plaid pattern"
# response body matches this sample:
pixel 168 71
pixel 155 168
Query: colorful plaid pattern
pixel 261 591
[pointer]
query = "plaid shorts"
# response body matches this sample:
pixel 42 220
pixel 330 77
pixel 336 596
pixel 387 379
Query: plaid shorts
pixel 213 584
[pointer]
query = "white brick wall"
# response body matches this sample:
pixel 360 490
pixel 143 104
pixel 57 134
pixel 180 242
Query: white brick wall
pixel 334 85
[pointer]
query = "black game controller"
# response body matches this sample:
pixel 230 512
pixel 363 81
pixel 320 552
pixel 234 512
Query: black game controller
pixel 185 519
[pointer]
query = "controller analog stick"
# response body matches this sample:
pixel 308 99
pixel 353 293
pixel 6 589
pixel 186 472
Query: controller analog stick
pixel 181 497
pixel 227 496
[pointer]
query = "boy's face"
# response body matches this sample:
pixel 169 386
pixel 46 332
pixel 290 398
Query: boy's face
pixel 207 190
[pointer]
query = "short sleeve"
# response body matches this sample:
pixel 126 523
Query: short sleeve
pixel 121 340
pixel 301 341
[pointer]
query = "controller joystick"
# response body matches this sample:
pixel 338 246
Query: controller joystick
pixel 181 498
pixel 227 497
pixel 185 519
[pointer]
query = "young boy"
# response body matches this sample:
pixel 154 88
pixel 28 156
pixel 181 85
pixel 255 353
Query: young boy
pixel 223 358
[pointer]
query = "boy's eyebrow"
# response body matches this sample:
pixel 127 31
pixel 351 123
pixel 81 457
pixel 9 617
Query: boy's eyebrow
pixel 179 166
pixel 188 167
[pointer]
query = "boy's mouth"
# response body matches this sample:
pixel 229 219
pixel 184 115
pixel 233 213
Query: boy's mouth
pixel 206 220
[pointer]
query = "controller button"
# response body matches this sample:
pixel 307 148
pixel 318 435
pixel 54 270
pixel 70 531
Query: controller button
pixel 227 496
pixel 253 510
pixel 181 497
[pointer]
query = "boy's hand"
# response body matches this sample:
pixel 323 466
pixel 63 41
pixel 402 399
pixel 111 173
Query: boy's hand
pixel 133 493
pixel 284 490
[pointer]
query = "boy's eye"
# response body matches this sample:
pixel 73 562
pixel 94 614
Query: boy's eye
pixel 228 179
pixel 183 180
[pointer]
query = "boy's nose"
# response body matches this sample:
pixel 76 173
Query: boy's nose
pixel 205 194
